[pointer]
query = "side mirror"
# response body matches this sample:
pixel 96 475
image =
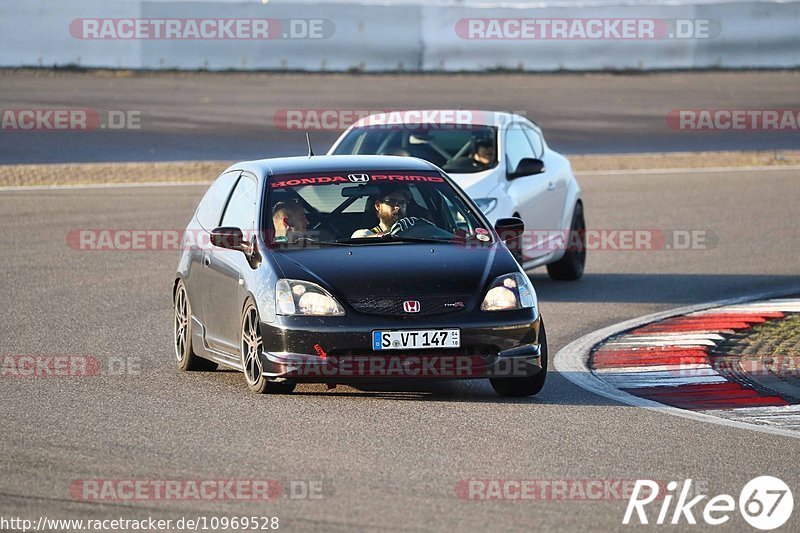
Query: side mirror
pixel 230 238
pixel 509 229
pixel 528 166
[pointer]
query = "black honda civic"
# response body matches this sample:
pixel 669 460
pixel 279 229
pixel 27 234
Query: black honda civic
pixel 348 269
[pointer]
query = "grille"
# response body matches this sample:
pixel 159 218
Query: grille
pixel 429 305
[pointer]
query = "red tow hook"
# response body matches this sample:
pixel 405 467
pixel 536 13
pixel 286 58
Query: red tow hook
pixel 320 352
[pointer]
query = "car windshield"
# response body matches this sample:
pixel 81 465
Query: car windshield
pixel 364 208
pixel 460 149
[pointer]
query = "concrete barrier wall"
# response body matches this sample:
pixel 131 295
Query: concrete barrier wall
pixel 409 37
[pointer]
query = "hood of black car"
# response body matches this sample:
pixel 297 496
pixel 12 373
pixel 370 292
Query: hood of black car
pixel 397 270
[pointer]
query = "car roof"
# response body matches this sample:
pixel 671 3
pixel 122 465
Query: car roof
pixel 334 163
pixel 439 116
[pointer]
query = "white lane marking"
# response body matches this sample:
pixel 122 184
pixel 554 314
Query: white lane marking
pixel 782 305
pixel 787 416
pixel 698 331
pixel 676 336
pixel 663 379
pixel 674 369
pixel 675 372
pixel 665 382
pixel 103 186
pixel 691 170
pixel 677 343
pixel 571 362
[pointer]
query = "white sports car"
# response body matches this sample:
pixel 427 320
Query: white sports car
pixel 503 162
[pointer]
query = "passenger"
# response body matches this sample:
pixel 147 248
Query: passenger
pixel 290 222
pixel 389 208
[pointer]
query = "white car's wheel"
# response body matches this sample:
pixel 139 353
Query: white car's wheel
pixel 570 267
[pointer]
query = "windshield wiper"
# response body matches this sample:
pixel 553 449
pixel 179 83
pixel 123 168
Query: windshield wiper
pixel 358 240
pixel 302 243
pixel 403 238
pixel 388 237
pixel 383 239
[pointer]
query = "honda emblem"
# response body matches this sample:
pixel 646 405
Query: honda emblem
pixel 358 178
pixel 411 306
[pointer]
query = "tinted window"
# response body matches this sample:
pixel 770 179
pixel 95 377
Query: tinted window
pixel 241 207
pixel 536 142
pixel 452 148
pixel 517 147
pixel 210 208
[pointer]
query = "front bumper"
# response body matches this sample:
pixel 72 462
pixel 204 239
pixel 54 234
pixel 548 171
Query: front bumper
pixel 339 350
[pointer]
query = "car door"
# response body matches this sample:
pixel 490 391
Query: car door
pixel 529 192
pixel 555 176
pixel 207 217
pixel 224 267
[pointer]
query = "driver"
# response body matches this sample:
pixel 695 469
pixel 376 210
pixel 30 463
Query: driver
pixel 389 208
pixel 482 157
pixel 289 220
pixel 484 153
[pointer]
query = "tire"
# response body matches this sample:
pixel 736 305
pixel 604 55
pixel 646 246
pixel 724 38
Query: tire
pixel 182 334
pixel 516 247
pixel 527 386
pixel 570 267
pixel 250 344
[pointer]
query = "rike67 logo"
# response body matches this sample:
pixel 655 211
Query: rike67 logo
pixel 765 503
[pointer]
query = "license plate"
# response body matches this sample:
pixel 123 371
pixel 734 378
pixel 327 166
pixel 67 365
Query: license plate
pixel 416 339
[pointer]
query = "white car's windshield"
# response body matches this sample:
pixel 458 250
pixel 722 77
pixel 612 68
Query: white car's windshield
pixel 458 149
pixel 368 208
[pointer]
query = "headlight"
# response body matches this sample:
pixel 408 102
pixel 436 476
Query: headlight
pixel 512 291
pixel 486 204
pixel 295 297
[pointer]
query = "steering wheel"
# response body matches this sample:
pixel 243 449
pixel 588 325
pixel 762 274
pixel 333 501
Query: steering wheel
pixel 408 223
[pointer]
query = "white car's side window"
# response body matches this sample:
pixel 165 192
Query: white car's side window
pixel 517 147
pixel 536 141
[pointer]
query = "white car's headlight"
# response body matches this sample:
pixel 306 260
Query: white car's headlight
pixel 295 297
pixel 486 204
pixel 512 291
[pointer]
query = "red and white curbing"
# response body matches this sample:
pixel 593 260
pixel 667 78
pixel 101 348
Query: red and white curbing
pixel 666 362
